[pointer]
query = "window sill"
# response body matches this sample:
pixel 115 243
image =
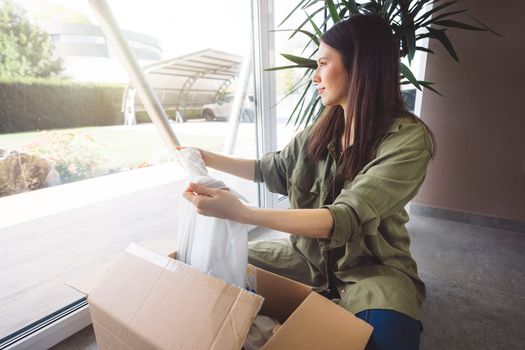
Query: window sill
pixel 49 236
pixel 28 206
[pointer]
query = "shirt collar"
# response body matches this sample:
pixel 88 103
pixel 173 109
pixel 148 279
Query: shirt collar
pixel 395 127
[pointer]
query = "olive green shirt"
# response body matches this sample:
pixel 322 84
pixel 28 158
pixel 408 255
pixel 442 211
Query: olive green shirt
pixel 367 257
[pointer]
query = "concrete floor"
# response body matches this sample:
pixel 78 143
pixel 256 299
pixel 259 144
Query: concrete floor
pixel 475 285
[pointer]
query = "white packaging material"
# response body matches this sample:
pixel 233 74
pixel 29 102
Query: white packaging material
pixel 261 330
pixel 215 246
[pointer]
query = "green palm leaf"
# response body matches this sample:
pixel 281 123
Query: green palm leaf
pixel 333 11
pixel 301 61
pixel 443 15
pixel 442 37
pixel 456 24
pixel 410 22
pixel 312 36
pixel 292 12
pixel 306 21
pixel 429 13
pixel 485 26
pixel 282 68
pixel 407 73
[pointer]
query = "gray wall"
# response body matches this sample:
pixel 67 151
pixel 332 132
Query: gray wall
pixel 480 124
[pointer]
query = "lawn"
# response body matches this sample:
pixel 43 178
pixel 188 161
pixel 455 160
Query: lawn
pixel 124 147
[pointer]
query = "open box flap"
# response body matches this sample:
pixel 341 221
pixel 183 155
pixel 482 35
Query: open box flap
pixel 149 301
pixel 282 295
pixel 87 281
pixel 319 323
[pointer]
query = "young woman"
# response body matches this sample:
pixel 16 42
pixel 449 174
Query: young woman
pixel 348 178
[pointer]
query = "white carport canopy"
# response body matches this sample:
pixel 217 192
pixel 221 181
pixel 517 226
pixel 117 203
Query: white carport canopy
pixel 194 70
pixel 188 81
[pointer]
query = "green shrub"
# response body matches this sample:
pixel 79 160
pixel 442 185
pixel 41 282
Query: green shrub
pixel 28 104
pixel 75 155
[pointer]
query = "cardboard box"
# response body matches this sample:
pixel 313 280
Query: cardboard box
pixel 309 320
pixel 151 301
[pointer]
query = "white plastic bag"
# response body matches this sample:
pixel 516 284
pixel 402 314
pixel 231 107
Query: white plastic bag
pixel 215 246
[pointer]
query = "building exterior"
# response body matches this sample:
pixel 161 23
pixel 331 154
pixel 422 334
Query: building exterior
pixel 87 56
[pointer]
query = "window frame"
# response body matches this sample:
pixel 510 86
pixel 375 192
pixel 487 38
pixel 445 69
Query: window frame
pixel 264 26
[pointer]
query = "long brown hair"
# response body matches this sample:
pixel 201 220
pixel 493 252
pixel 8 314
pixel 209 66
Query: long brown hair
pixel 371 58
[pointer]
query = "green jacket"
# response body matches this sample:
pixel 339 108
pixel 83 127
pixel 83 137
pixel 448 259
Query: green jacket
pixel 368 257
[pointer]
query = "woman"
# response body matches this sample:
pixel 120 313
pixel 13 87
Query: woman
pixel 348 178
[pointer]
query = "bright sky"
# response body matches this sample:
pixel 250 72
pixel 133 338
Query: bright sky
pixel 182 26
pixel 185 26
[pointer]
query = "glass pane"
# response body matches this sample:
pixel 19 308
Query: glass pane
pixel 71 128
pixel 286 79
pixel 287 93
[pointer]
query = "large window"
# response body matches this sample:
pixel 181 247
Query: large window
pixel 287 90
pixel 299 44
pixel 83 171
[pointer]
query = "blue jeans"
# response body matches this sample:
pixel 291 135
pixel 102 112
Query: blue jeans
pixel 392 330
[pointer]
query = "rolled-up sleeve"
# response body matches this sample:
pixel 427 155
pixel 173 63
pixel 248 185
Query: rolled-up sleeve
pixel 389 182
pixel 274 168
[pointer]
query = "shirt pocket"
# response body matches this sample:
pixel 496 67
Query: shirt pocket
pixel 304 189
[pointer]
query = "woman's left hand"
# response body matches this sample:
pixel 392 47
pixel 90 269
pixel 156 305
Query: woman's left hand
pixel 215 202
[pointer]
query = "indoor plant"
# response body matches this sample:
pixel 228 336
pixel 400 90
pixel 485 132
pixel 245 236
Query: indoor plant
pixel 410 21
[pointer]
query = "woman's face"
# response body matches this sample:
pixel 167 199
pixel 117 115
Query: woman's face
pixel 331 76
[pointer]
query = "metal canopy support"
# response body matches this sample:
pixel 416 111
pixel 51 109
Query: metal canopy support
pixel 183 95
pixel 222 89
pixel 119 43
pixel 205 73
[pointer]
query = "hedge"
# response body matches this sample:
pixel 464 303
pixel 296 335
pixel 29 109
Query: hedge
pixel 41 104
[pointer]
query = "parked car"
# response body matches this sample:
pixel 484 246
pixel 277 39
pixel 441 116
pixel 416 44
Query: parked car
pixel 222 109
